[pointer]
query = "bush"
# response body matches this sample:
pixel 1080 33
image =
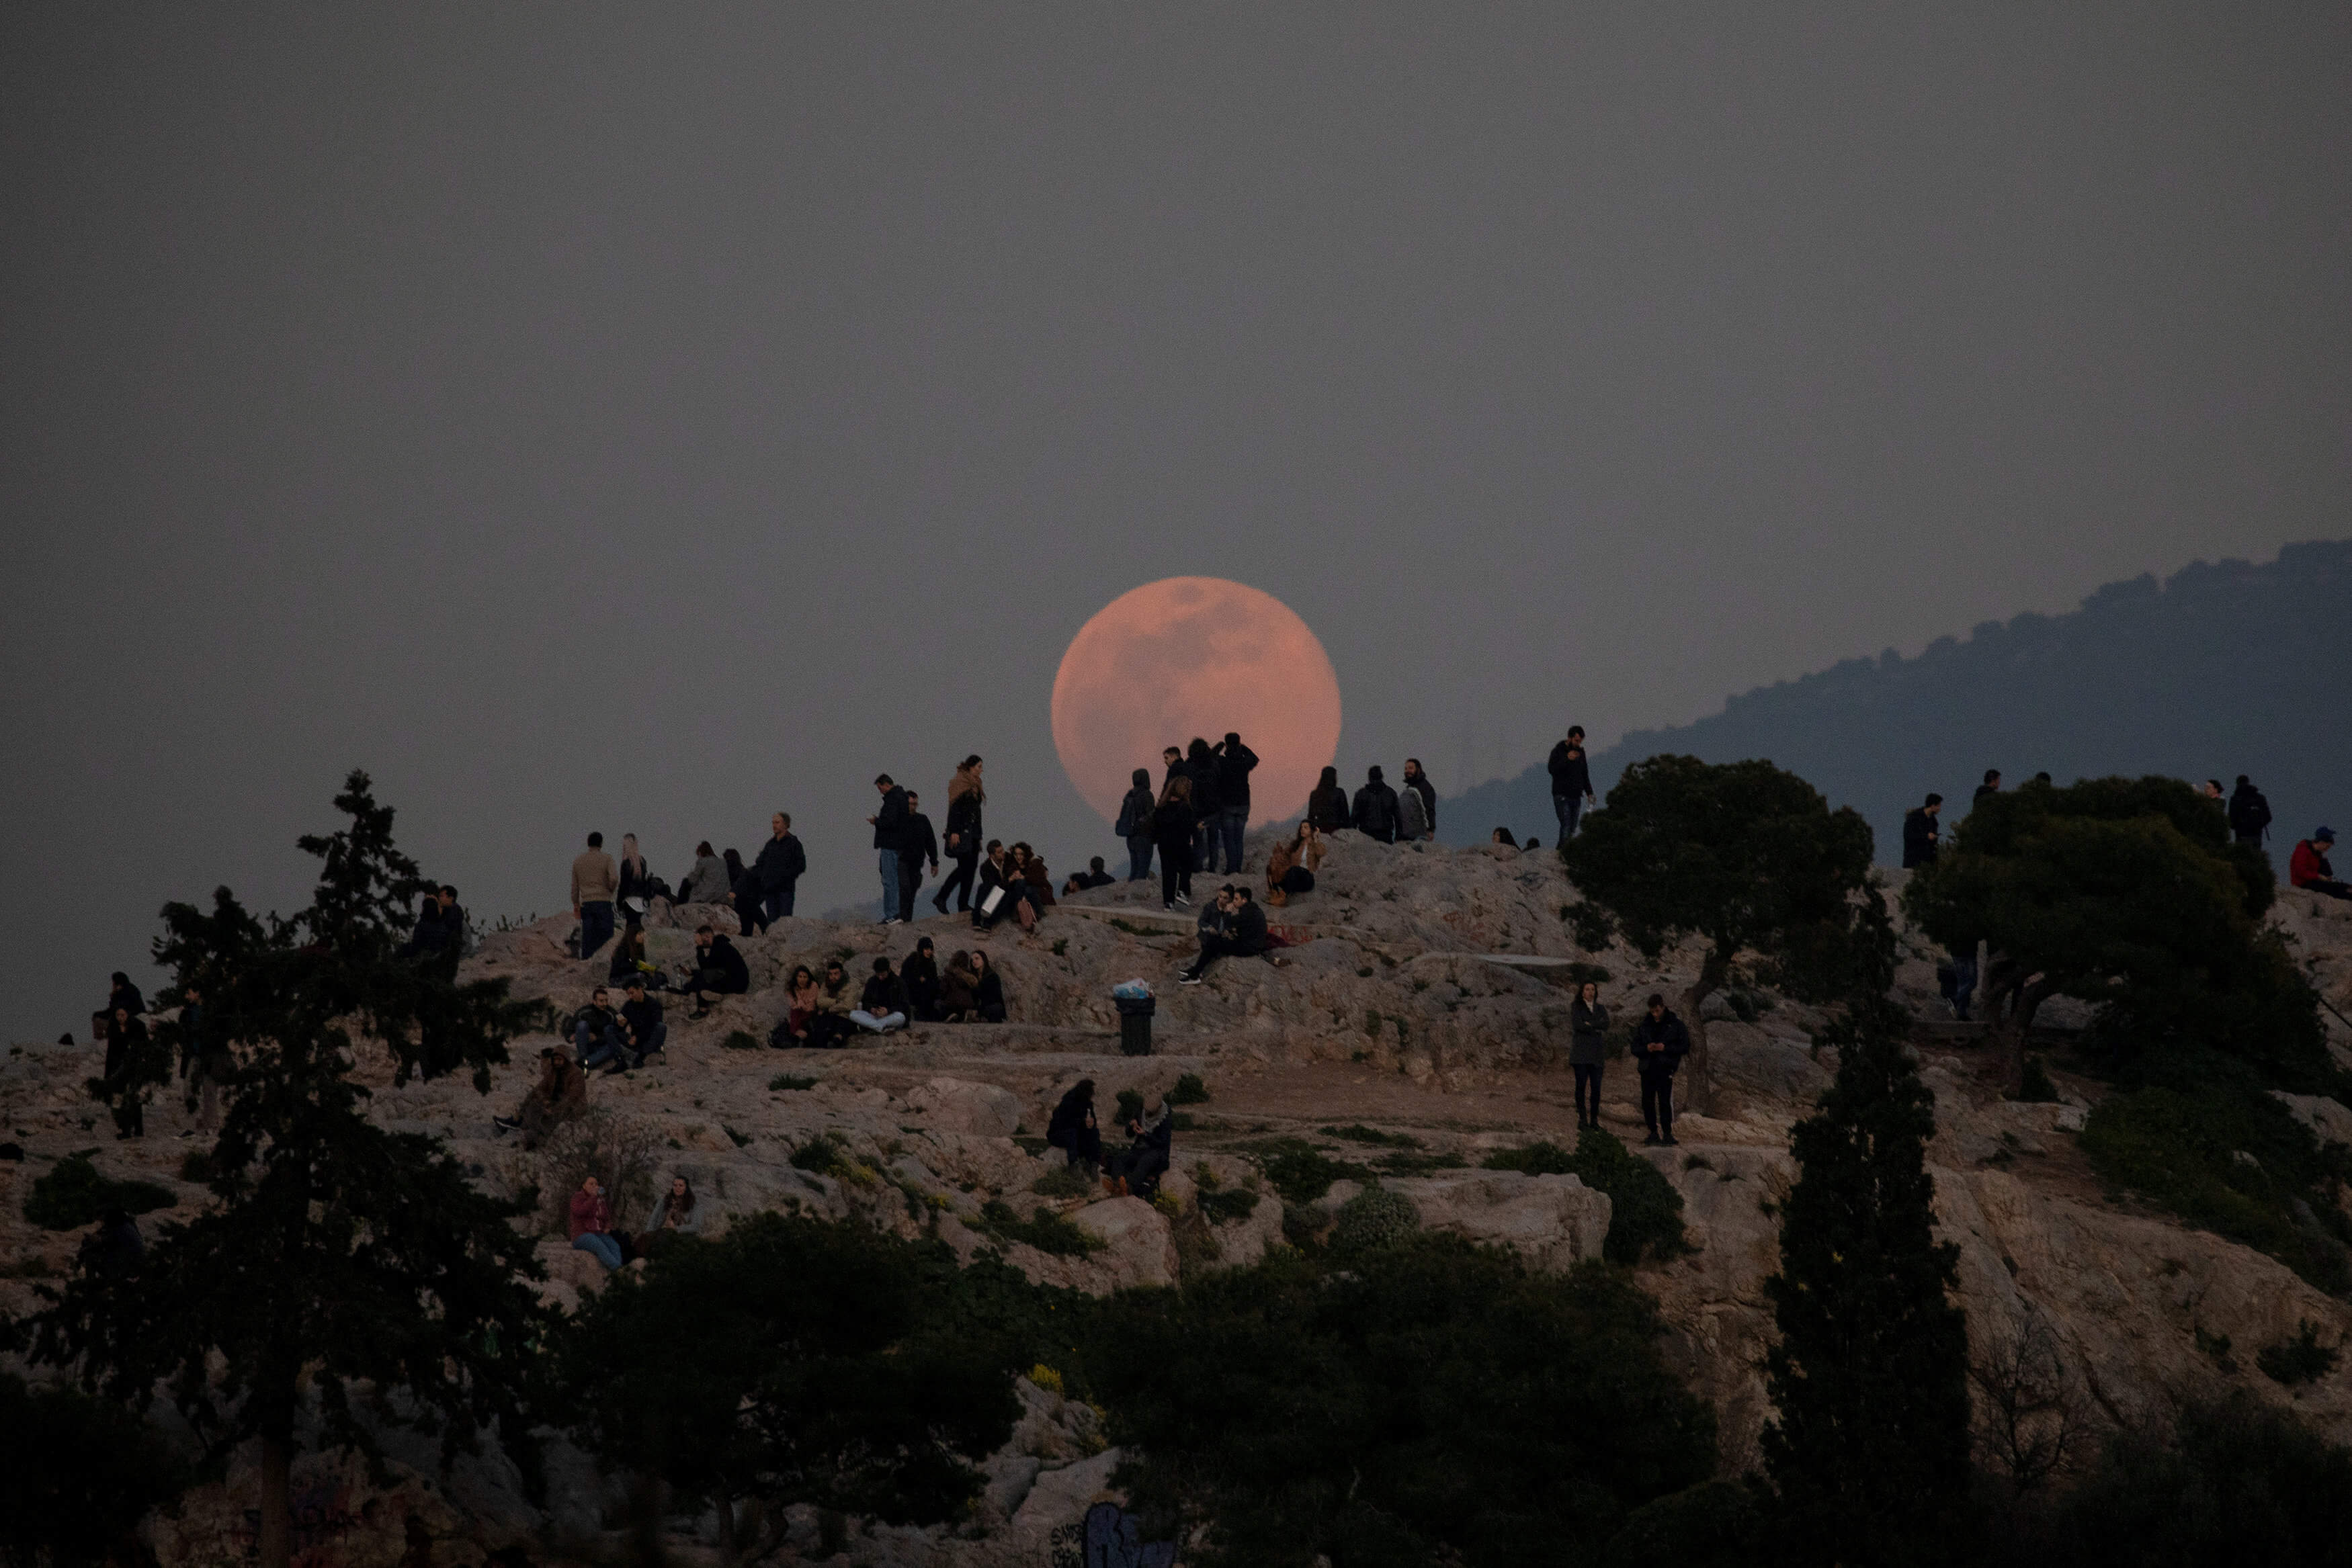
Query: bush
pixel 1069 1181
pixel 196 1166
pixel 1299 1171
pixel 1646 1212
pixel 786 1082
pixel 1220 1205
pixel 2301 1359
pixel 1357 1132
pixel 740 1040
pixel 72 1195
pixel 1189 1091
pixel 2035 1088
pixel 1374 1217
pixel 1046 1231
pixel 1130 1105
pixel 77 1475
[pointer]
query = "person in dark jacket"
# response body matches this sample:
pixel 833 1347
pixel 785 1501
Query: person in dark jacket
pixel 1134 825
pixel 1135 1171
pixel 643 1032
pixel 882 1005
pixel 1327 807
pixel 2250 814
pixel 1002 893
pixel 988 989
pixel 435 934
pixel 917 846
pixel 1244 935
pixel 1991 786
pixel 1200 768
pixel 207 1065
pixel 962 843
pixel 1661 1040
pixel 115 1249
pixel 1086 881
pixel 1233 762
pixel 1072 1129
pixel 780 865
pixel 920 975
pixel 636 877
pixel 1919 833
pixel 718 970
pixel 1375 811
pixel 1588 1026
pixel 129 1067
pixel 121 993
pixel 589 1024
pixel 745 894
pixel 1571 782
pixel 890 826
pixel 1172 821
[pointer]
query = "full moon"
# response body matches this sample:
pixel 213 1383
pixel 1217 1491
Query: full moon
pixel 1190 656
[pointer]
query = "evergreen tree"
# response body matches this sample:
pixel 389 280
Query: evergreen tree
pixel 337 1253
pixel 1870 1453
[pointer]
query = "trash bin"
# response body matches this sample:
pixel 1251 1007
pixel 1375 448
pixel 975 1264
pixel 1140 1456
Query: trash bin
pixel 1134 1024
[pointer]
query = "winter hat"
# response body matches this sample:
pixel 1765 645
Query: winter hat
pixel 2325 836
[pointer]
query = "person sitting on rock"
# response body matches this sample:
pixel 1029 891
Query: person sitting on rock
pixel 1135 1171
pixel 1093 876
pixel 958 988
pixel 589 1024
pixel 720 971
pixel 616 1049
pixel 591 1219
pixel 708 881
pixel 1037 884
pixel 1291 865
pixel 882 1006
pixel 560 1093
pixel 920 975
pixel 1072 1129
pixel 2307 867
pixel 643 1032
pixel 1244 936
pixel 1504 837
pixel 629 952
pixel 800 992
pixel 676 1215
pixel 988 989
pixel 1661 1040
pixel 830 1029
pixel 1002 894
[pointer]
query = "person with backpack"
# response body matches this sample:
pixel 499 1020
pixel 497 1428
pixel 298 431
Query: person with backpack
pixel 1172 821
pixel 1233 762
pixel 1375 812
pixel 2250 814
pixel 1134 825
pixel 1572 780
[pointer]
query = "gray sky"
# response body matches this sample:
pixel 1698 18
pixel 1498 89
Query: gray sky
pixel 638 418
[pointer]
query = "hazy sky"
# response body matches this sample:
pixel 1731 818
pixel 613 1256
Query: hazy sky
pixel 639 418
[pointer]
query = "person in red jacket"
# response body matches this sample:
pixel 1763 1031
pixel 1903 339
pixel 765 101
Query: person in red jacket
pixel 592 1225
pixel 2308 869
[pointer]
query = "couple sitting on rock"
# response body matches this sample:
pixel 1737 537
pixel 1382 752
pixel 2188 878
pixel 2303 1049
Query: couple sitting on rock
pixel 1232 927
pixel 591 1223
pixel 1135 1170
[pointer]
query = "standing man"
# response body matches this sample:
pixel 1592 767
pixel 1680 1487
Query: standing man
pixel 965 797
pixel 919 846
pixel 1661 1040
pixel 1134 825
pixel 1919 833
pixel 1991 786
pixel 1234 761
pixel 2250 814
pixel 1417 784
pixel 595 881
pixel 1375 814
pixel 889 832
pixel 781 860
pixel 1571 782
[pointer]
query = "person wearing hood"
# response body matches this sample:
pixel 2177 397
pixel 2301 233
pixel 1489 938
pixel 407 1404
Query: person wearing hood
pixel 1572 780
pixel 709 882
pixel 1172 821
pixel 2250 814
pixel 1327 807
pixel 920 975
pixel 961 846
pixel 782 865
pixel 1233 762
pixel 1208 796
pixel 2308 869
pixel 1376 809
pixel 1134 825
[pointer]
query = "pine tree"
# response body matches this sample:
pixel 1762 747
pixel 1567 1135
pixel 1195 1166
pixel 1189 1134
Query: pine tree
pixel 1870 1453
pixel 337 1253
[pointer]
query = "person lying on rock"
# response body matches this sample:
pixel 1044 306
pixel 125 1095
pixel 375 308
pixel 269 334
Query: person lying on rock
pixel 720 971
pixel 882 1006
pixel 674 1217
pixel 1135 1170
pixel 1244 935
pixel 592 1225
pixel 1072 1129
pixel 1661 1040
pixel 560 1093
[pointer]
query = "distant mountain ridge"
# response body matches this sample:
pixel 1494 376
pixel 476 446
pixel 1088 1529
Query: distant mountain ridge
pixel 2221 669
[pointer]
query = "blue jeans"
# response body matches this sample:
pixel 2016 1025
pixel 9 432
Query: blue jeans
pixel 889 863
pixel 599 1246
pixel 1138 857
pixel 616 1047
pixel 595 925
pixel 1229 826
pixel 1568 809
pixel 779 901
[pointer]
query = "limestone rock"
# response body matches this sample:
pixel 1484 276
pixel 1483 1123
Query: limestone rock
pixel 956 1106
pixel 1552 1221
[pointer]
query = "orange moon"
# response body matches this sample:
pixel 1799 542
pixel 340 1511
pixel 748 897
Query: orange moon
pixel 1196 655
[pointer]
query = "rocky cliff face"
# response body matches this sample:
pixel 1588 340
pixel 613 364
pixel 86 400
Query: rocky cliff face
pixel 1393 1016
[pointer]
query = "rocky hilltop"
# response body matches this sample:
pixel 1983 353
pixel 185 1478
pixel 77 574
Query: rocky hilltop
pixel 1418 1024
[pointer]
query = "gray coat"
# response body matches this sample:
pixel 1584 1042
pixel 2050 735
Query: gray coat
pixel 1413 816
pixel 1588 1029
pixel 706 883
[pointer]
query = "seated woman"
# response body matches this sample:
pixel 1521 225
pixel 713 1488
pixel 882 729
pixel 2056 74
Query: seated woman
pixel 958 988
pixel 674 1217
pixel 1037 882
pixel 882 1006
pixel 988 990
pixel 560 1093
pixel 1503 837
pixel 920 975
pixel 1001 893
pixel 1072 1129
pixel 1291 865
pixel 800 994
pixel 592 1225
pixel 629 952
pixel 707 882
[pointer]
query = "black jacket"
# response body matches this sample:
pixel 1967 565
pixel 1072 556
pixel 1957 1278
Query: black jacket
pixel 636 883
pixel 1671 1031
pixel 780 863
pixel 127 1048
pixel 1172 822
pixel 734 975
pixel 1247 928
pixel 1375 813
pixel 963 823
pixel 1587 1034
pixel 916 842
pixel 2250 814
pixel 1135 813
pixel 1233 765
pixel 890 821
pixel 1200 768
pixel 1918 837
pixel 1072 1117
pixel 638 1018
pixel 920 975
pixel 883 994
pixel 1327 808
pixel 991 993
pixel 1571 774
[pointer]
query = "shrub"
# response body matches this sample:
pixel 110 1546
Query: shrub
pixel 1374 1217
pixel 740 1040
pixel 79 1473
pixel 196 1166
pixel 72 1195
pixel 1046 1231
pixel 783 1082
pixel 1220 1206
pixel 2301 1359
pixel 1069 1181
pixel 2035 1087
pixel 1189 1091
pixel 1299 1171
pixel 1357 1132
pixel 1646 1212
